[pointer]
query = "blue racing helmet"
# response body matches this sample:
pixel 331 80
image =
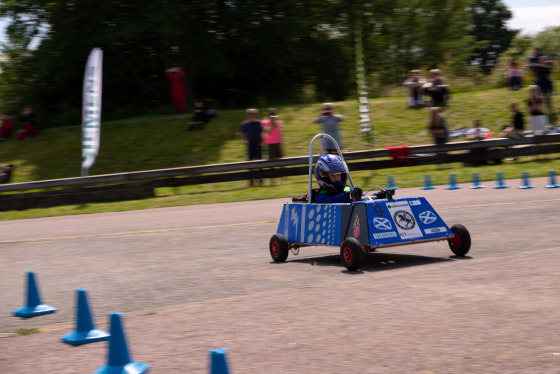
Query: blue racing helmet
pixel 329 163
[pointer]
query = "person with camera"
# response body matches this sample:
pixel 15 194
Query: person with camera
pixel 329 119
pixel 438 89
pixel 415 85
pixel 273 127
pixel 331 173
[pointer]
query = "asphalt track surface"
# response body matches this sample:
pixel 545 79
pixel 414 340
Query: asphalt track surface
pixel 191 279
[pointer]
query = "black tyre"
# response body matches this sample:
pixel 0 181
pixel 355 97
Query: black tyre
pixel 351 254
pixel 279 248
pixel 461 243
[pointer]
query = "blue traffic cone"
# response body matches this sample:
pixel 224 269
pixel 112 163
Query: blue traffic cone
pixel 34 307
pixel 118 358
pixel 85 330
pixel 476 182
pixel 452 182
pixel 525 178
pixel 218 363
pixel 391 183
pixel 552 183
pixel 500 180
pixel 427 182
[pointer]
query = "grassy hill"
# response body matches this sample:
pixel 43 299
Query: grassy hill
pixel 155 142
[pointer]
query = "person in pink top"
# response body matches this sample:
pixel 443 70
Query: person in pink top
pixel 273 128
pixel 514 76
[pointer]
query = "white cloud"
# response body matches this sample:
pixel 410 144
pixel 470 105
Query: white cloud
pixel 533 20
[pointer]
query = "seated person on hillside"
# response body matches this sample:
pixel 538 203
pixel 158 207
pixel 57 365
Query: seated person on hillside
pixel 6 173
pixel 478 132
pixel 515 129
pixel 29 123
pixel 331 173
pixel 200 117
pixel 6 127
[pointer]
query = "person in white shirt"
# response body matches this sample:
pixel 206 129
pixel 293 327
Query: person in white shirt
pixel 477 132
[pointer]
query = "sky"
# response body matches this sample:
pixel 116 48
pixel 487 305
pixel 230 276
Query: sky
pixel 533 16
pixel 530 16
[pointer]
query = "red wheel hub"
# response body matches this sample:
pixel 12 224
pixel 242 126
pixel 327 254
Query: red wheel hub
pixel 455 241
pixel 347 253
pixel 275 249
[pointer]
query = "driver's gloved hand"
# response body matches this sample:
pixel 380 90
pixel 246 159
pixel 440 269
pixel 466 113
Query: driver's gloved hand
pixel 356 194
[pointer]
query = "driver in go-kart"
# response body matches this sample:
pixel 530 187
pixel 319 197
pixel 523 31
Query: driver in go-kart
pixel 331 173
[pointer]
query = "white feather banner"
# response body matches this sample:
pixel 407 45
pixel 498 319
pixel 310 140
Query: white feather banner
pixel 91 110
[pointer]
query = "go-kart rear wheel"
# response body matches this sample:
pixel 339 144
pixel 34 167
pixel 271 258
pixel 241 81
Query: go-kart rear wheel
pixel 279 248
pixel 351 254
pixel 461 243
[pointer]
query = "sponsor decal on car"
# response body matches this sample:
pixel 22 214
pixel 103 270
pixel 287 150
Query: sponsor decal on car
pixel 405 235
pixel 356 226
pixel 427 217
pixel 382 223
pixel 435 230
pixel 404 220
pixel 294 217
pixel 384 235
pixel 415 202
pixel 398 205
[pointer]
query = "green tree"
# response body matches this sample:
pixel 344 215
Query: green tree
pixel 235 52
pixel 519 48
pixel 489 19
pixel 549 41
pixel 238 53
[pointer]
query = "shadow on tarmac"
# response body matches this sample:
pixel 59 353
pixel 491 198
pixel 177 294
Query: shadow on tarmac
pixel 376 261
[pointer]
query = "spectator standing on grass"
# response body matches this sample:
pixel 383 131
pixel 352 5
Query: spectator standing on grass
pixel 330 121
pixel 250 134
pixel 414 84
pixel 29 124
pixel 514 76
pixel 437 126
pixel 273 128
pixel 534 59
pixel 515 129
pixel 438 129
pixel 543 69
pixel 438 89
pixel 7 126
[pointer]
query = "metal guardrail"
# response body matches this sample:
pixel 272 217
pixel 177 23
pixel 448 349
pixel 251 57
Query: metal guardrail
pixel 266 164
pixel 115 186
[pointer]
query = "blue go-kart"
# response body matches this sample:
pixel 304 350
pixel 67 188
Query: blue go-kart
pixel 374 222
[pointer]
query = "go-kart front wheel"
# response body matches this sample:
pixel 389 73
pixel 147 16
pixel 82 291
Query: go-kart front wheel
pixel 279 248
pixel 351 254
pixel 460 244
